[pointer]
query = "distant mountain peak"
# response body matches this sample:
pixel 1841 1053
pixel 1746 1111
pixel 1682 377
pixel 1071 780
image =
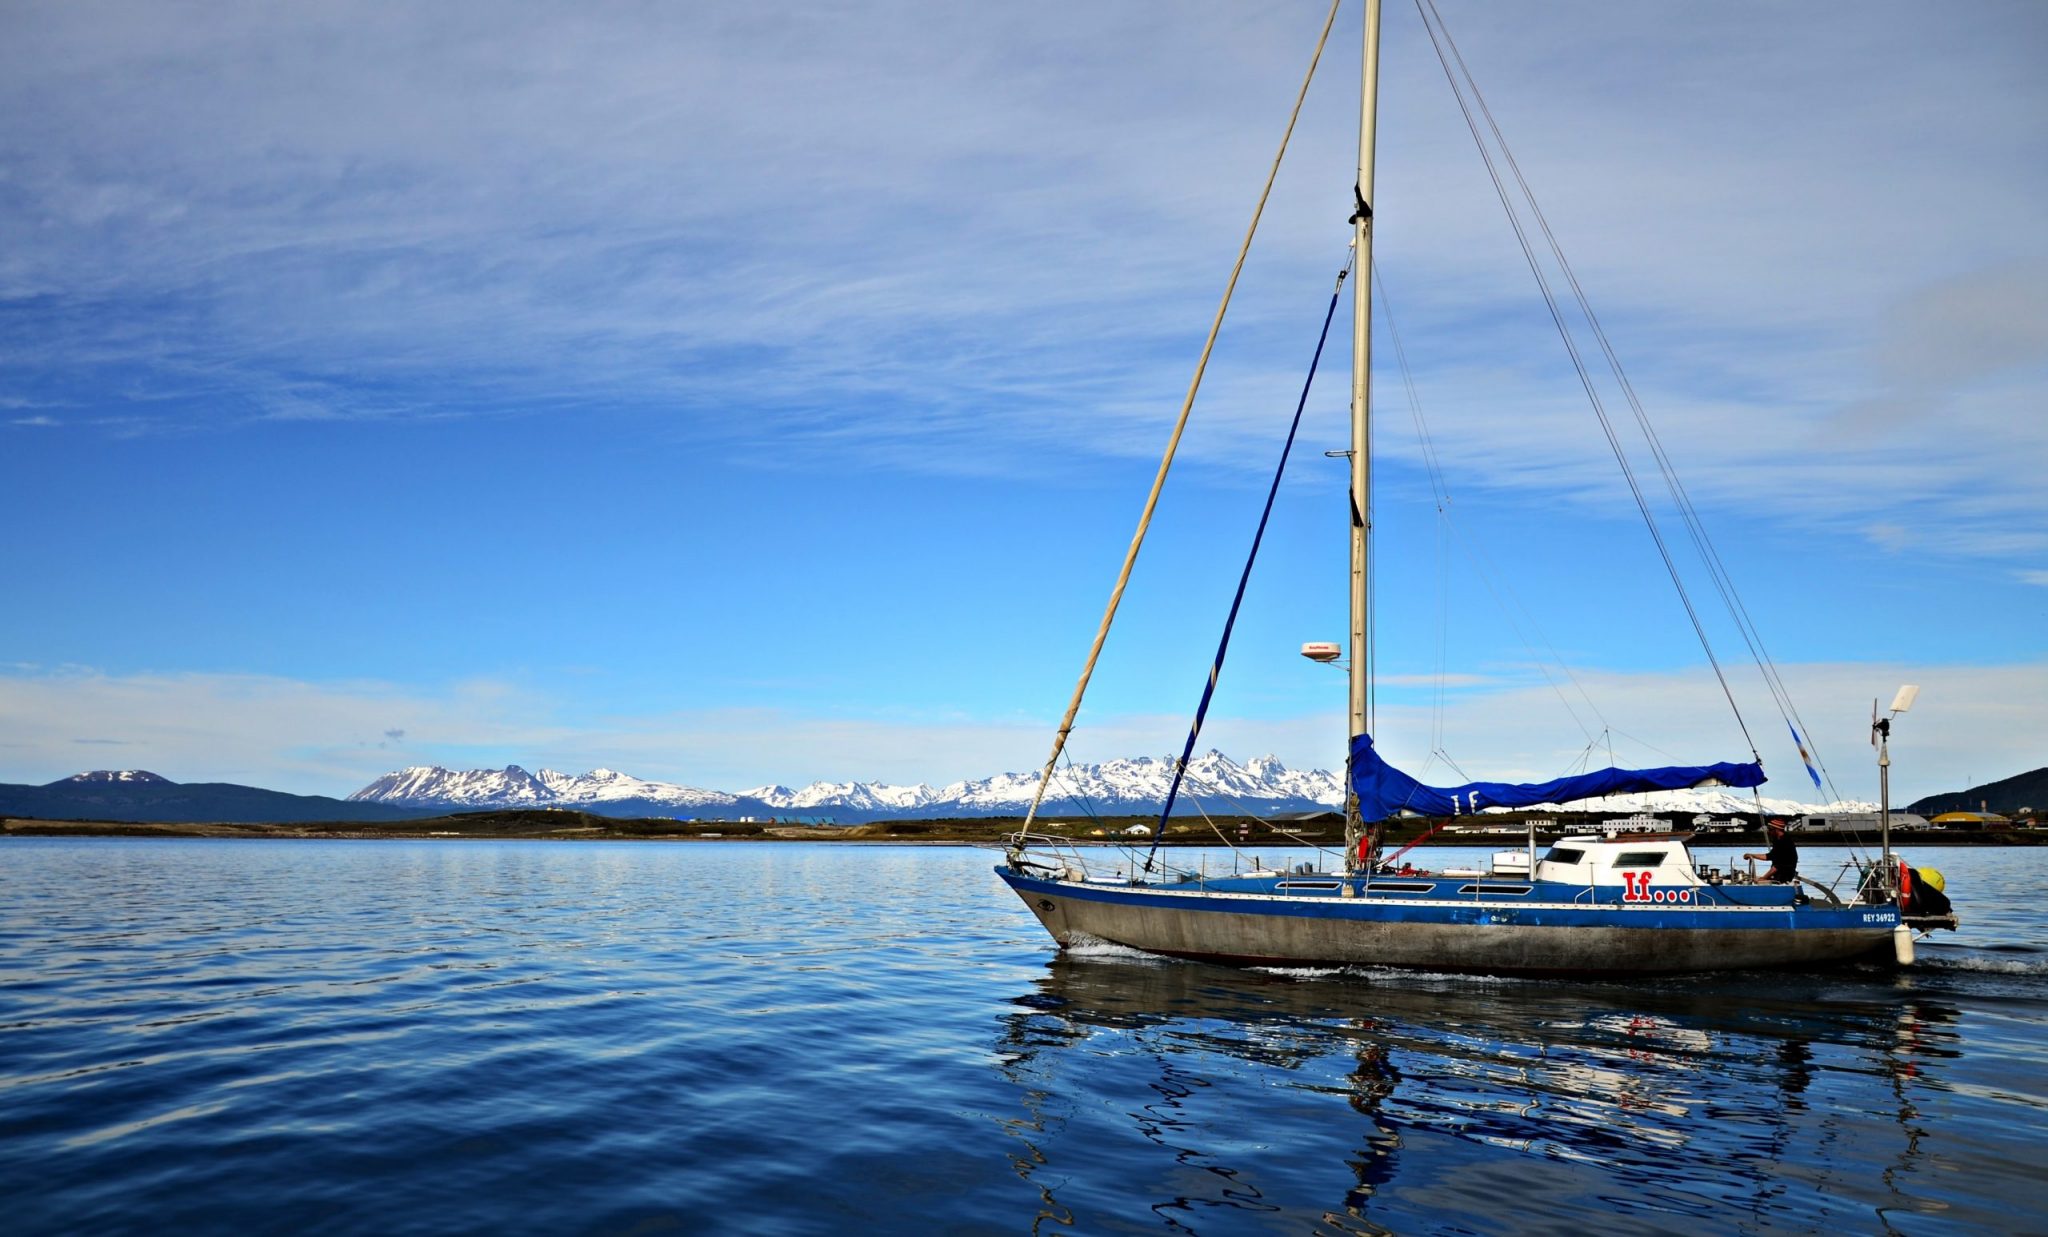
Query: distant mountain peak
pixel 131 776
pixel 432 786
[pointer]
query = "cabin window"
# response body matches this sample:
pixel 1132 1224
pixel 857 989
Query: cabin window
pixel 1508 890
pixel 1401 887
pixel 1564 854
pixel 1639 859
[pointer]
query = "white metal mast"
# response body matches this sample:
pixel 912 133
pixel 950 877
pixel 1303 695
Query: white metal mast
pixel 1361 379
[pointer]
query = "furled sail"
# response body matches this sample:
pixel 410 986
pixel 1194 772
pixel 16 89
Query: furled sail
pixel 1384 790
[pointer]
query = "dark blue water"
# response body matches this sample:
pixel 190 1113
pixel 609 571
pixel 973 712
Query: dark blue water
pixel 216 1036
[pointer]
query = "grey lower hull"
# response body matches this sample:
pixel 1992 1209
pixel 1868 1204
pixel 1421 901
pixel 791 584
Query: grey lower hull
pixel 1215 933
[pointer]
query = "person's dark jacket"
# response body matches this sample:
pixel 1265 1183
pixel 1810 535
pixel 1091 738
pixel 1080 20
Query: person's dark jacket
pixel 1784 856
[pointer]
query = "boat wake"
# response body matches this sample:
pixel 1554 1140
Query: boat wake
pixel 1082 945
pixel 1991 960
pixel 1990 966
pixel 1403 976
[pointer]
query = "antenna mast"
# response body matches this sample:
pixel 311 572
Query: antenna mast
pixel 1880 738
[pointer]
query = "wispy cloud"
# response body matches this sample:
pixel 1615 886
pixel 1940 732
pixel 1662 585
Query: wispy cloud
pixel 959 240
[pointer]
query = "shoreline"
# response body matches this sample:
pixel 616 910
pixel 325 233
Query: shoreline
pixel 582 827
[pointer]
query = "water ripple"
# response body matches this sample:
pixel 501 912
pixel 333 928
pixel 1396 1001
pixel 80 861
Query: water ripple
pixel 588 1037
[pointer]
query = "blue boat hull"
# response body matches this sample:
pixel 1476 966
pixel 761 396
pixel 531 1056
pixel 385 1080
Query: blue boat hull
pixel 1537 932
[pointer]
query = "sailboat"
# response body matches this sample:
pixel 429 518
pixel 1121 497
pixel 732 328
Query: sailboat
pixel 1591 904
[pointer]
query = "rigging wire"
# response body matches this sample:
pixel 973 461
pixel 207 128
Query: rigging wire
pixel 1244 578
pixel 1450 530
pixel 1082 802
pixel 1438 37
pixel 1703 544
pixel 1221 792
pixel 1123 578
pixel 1440 494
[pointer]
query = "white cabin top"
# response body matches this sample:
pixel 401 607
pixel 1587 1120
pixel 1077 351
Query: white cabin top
pixel 1586 860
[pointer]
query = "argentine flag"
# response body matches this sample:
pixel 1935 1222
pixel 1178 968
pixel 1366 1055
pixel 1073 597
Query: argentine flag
pixel 1803 757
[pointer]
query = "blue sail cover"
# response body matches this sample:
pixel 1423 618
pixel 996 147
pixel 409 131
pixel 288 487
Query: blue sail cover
pixel 1384 790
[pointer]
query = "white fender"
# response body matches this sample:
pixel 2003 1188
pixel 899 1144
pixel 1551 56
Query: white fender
pixel 1902 944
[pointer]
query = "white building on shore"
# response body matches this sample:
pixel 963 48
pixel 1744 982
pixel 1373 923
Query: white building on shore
pixel 1859 822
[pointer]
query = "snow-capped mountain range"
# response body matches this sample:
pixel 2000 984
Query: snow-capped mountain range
pixel 1113 787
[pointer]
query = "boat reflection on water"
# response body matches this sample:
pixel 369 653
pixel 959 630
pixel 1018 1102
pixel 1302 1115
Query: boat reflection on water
pixel 1463 1103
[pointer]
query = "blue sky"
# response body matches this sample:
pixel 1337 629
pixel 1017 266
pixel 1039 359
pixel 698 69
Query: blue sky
pixel 735 394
